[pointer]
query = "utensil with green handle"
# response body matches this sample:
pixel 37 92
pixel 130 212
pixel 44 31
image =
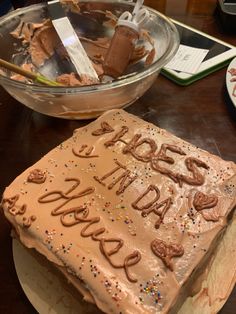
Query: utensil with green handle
pixel 38 78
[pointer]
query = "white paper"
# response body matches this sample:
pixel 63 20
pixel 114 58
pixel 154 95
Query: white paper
pixel 187 59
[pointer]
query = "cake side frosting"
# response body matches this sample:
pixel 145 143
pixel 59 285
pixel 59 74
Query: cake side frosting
pixel 128 208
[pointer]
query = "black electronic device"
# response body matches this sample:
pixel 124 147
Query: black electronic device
pixel 219 54
pixel 226 10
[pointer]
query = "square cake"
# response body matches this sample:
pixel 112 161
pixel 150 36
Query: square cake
pixel 130 213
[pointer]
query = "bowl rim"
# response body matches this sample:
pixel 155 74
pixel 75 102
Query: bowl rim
pixel 125 80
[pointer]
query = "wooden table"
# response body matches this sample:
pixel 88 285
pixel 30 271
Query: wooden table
pixel 200 113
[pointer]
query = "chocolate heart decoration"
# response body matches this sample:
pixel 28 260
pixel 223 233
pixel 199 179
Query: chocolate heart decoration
pixel 202 201
pixel 36 176
pixel 105 128
pixel 167 251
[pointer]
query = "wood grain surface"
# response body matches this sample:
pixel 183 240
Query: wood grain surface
pixel 201 113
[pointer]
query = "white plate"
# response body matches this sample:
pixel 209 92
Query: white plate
pixel 49 295
pixel 231 85
pixel 42 286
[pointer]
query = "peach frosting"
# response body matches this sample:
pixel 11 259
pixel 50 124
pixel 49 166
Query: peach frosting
pixel 128 211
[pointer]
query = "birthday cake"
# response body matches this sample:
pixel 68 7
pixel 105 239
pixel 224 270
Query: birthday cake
pixel 130 213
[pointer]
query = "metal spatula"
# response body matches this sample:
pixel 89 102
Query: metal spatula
pixel 70 40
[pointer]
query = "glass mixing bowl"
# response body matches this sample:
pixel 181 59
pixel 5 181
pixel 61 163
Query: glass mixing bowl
pixel 87 102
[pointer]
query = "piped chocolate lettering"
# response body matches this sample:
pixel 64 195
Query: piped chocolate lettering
pixel 59 195
pixel 79 214
pixel 87 154
pixel 159 209
pixel 117 137
pixel 135 143
pixel 125 178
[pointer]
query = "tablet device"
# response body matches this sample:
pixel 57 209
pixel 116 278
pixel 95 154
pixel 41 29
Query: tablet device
pixel 220 53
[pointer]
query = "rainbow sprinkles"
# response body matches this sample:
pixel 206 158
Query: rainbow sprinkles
pixel 129 210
